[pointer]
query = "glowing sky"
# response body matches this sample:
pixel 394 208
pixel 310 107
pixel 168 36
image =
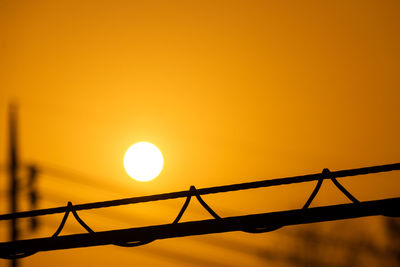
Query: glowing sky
pixel 230 91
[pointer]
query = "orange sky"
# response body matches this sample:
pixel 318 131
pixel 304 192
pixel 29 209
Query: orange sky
pixel 230 91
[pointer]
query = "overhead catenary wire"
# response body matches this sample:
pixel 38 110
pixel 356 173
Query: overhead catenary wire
pixel 171 254
pixel 238 246
pixel 248 223
pixel 220 242
pixel 217 241
pixel 208 190
pixel 120 217
pixel 387 207
pixel 264 253
pixel 90 181
pixel 254 223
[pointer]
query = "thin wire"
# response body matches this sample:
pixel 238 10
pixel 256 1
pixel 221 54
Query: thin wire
pixel 89 230
pixel 183 209
pixel 326 174
pixel 386 207
pixel 203 203
pixel 63 221
pixel 71 208
pixel 193 190
pixel 220 242
pixel 313 194
pixel 344 191
pixel 81 222
pixel 204 191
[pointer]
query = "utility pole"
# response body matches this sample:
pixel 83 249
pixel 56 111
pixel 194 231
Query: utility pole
pixel 13 174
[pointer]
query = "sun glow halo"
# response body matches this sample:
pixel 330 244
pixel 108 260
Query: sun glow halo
pixel 143 161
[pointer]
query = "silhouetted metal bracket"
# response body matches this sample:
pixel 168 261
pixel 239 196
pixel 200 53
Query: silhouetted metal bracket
pixel 326 174
pixel 193 192
pixel 387 207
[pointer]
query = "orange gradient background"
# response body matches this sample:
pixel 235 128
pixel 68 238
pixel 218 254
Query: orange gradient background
pixel 230 91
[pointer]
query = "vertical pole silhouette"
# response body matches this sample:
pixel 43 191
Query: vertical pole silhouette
pixel 13 172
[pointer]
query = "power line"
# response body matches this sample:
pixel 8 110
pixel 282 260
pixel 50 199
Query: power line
pixel 209 190
pixel 87 180
pixel 306 236
pixel 75 177
pixel 255 223
pixel 220 242
pixel 265 222
pixel 176 255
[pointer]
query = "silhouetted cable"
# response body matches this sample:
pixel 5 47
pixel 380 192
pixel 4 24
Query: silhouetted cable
pixel 387 207
pixel 194 191
pixel 61 226
pixel 168 251
pixel 143 242
pixel 326 174
pixel 183 209
pixel 304 236
pixel 313 194
pixel 209 190
pixel 344 191
pixel 69 208
pixel 170 254
pixel 220 242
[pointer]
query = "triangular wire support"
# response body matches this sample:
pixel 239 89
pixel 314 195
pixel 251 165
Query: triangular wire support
pixel 316 189
pixel 69 208
pixel 326 174
pixel 193 192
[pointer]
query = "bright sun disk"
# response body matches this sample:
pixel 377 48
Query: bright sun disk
pixel 143 161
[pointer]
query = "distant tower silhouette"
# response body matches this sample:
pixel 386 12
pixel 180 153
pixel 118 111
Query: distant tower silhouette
pixel 14 180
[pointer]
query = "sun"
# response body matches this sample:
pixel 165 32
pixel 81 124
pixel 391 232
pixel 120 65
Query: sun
pixel 143 161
